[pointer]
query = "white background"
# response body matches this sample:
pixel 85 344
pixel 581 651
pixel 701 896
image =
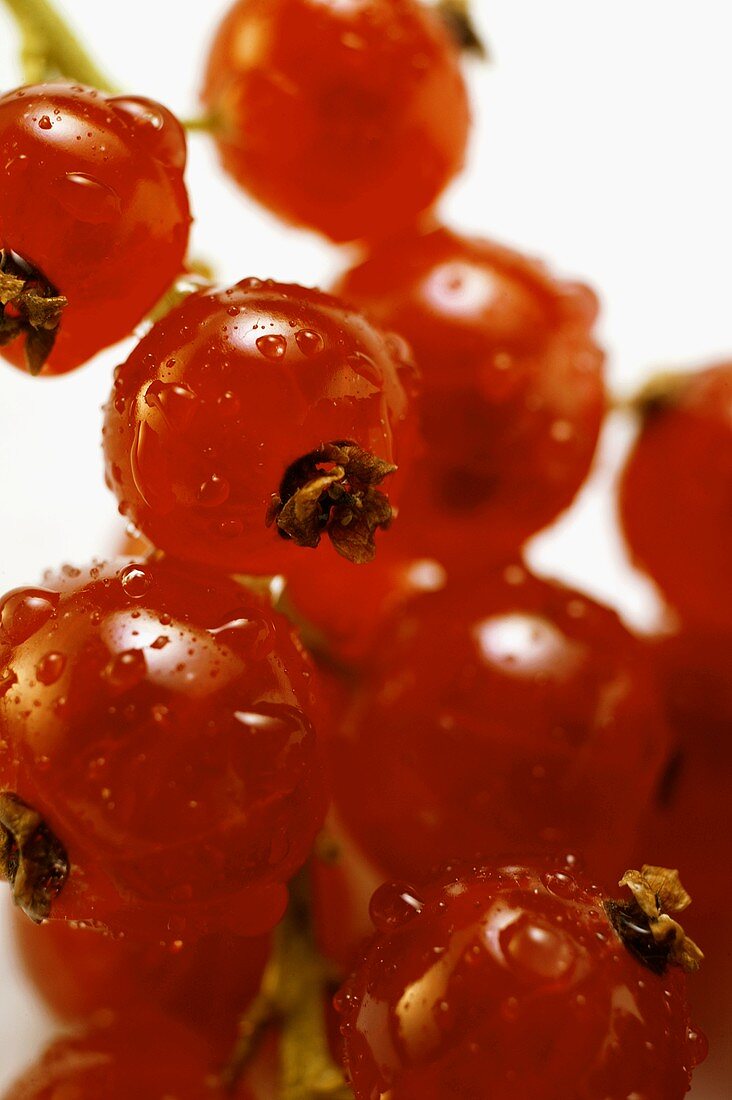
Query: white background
pixel 602 144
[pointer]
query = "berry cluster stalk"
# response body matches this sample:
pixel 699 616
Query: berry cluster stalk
pixel 50 47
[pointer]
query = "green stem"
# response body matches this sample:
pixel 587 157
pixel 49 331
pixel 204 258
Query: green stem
pixel 51 48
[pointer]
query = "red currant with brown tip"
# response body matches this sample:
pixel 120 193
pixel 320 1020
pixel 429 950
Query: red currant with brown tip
pixel 256 419
pixel 512 388
pixel 676 491
pixel 514 983
pixel 501 715
pixel 205 985
pixel 94 220
pixel 144 1056
pixel 349 118
pixel 158 762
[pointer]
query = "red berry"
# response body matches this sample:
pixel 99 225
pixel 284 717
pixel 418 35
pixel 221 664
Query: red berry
pixel 676 491
pixel 145 1057
pixel 512 394
pixel 512 983
pixel 507 715
pixel 94 209
pixel 348 118
pixel 170 757
pixel 205 985
pixel 245 400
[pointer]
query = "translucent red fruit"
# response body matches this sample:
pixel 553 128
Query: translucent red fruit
pixel 503 715
pixel 349 118
pixel 512 383
pixel 145 1056
pixel 93 203
pixel 675 494
pixel 157 720
pixel 205 985
pixel 511 983
pixel 242 402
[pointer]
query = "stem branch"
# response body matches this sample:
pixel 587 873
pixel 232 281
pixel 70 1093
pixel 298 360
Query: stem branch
pixel 51 48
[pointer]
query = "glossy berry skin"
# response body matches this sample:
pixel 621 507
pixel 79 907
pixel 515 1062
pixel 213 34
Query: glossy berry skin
pixel 346 118
pixel 205 985
pixel 675 495
pixel 510 983
pixel 225 394
pixel 93 199
pixel 501 715
pixel 159 721
pixel 512 388
pixel 143 1056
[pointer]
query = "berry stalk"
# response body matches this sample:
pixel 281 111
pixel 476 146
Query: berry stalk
pixel 51 48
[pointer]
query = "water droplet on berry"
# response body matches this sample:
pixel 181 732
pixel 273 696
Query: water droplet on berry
pixel 538 951
pixel 213 491
pixel 86 198
pixel 697 1045
pixel 176 403
pixel 7 679
pixel 366 368
pixel 309 342
pixel 272 346
pixel 50 668
pixel 251 284
pixel 44 123
pixel 560 884
pixel 163 134
pixel 243 631
pixel 126 669
pixel 25 610
pixel 393 905
pixel 135 580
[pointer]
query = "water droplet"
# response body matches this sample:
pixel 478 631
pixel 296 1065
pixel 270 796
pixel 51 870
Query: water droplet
pixel 272 347
pixel 393 905
pixel 175 402
pixel 244 630
pixel 229 404
pixel 50 668
pixel 366 368
pixel 126 669
pixel 161 642
pixel 251 284
pixel 7 679
pixel 309 342
pixel 698 1045
pixel 560 884
pixel 213 491
pixel 45 123
pixel 539 952
pixel 25 610
pixel 163 134
pixel 136 581
pixel 86 198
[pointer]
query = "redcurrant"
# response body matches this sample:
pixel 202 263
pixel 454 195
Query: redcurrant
pixel 255 413
pixel 676 491
pixel 93 220
pixel 205 985
pixel 514 983
pixel 349 118
pixel 146 1057
pixel 506 715
pixel 513 390
pixel 157 760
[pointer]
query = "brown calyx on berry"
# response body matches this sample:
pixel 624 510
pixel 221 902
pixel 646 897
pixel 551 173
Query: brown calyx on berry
pixel 455 14
pixel 645 924
pixel 29 306
pixel 662 391
pixel 333 490
pixel 32 860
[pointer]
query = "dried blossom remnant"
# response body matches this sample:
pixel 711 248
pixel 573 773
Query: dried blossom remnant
pixel 646 924
pixel 32 860
pixel 456 16
pixel 29 305
pixel 333 490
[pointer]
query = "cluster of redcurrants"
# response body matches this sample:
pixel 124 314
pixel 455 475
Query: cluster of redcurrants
pixel 483 735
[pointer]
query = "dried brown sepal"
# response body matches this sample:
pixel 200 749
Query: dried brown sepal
pixel 646 926
pixel 456 16
pixel 661 391
pixel 333 491
pixel 32 859
pixel 30 306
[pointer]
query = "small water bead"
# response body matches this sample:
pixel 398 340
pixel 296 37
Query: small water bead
pixel 126 670
pixel 163 133
pixel 136 581
pixel 560 884
pixel 176 403
pixel 251 284
pixel 538 951
pixel 213 491
pixel 44 123
pixel 393 905
pixel 50 668
pixel 365 368
pixel 309 342
pixel 272 346
pixel 24 611
pixel 242 630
